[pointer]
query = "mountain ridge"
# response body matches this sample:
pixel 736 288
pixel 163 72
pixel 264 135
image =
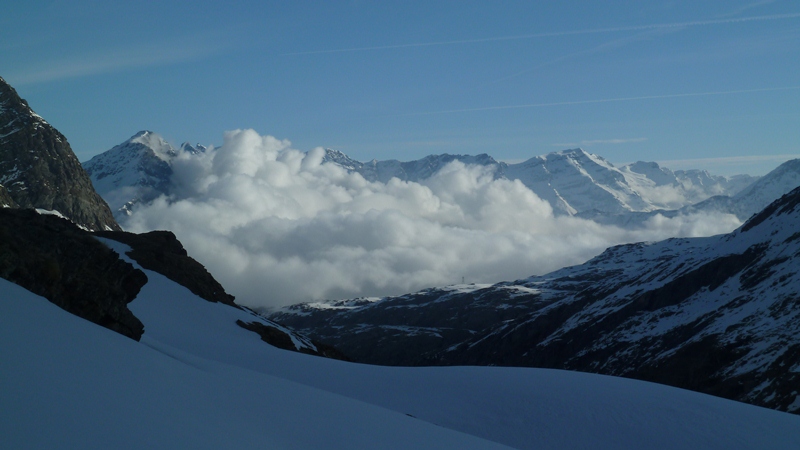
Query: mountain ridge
pixel 573 181
pixel 39 170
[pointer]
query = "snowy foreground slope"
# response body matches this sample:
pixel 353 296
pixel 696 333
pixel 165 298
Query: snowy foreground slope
pixel 196 380
pixel 68 383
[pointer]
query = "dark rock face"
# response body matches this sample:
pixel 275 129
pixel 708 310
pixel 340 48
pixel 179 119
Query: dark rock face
pixel 53 258
pixel 39 169
pixel 406 330
pixel 5 199
pixel 69 266
pixel 160 251
pixel 719 315
pixel 276 337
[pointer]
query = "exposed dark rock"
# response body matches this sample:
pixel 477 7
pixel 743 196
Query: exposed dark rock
pixel 161 252
pixel 278 338
pixel 270 335
pixel 53 258
pixel 406 330
pixel 5 199
pixel 39 169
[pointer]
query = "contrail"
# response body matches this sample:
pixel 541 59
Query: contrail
pixel 555 33
pixel 602 100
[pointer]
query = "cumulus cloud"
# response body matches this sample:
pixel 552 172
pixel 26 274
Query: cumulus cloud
pixel 277 226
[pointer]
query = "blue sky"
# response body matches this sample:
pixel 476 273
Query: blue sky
pixel 706 84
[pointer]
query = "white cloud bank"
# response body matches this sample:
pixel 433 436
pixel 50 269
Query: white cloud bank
pixel 276 226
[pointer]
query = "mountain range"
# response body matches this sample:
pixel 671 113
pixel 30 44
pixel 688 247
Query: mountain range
pixel 574 181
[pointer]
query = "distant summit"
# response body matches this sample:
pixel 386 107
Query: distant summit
pixel 39 170
pixel 416 170
pixel 755 196
pixel 137 170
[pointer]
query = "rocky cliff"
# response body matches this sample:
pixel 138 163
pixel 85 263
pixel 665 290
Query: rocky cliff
pixel 52 257
pixel 39 170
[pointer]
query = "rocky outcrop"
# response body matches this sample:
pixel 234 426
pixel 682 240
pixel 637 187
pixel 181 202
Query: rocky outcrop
pixel 280 337
pixel 53 258
pixel 39 169
pixel 5 198
pixel 160 251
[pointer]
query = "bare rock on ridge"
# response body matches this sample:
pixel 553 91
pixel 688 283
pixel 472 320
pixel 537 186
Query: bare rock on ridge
pixel 39 170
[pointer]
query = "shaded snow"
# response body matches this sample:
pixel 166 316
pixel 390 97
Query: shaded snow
pixel 197 380
pixel 70 384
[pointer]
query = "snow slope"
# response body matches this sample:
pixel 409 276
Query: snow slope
pixel 755 196
pixel 68 383
pixel 781 180
pixel 197 380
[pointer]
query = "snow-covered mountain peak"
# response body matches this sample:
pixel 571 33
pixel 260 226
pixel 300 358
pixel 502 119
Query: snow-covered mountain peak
pixel 574 153
pixel 338 157
pixel 484 159
pixel 750 199
pixel 782 179
pixel 651 171
pixel 186 147
pixel 137 170
pixel 574 181
pixel 153 141
pixel 416 170
pixel 577 156
pixel 788 204
pixel 333 153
